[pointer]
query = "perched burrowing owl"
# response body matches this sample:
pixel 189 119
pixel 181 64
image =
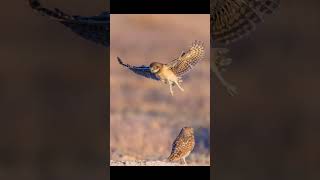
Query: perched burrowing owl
pixel 182 145
pixel 93 28
pixel 230 20
pixel 172 72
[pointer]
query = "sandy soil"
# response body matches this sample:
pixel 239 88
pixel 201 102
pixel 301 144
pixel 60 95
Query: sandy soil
pixel 151 163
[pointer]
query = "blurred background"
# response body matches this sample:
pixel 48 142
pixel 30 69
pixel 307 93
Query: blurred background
pixel 144 117
pixel 271 129
pixel 53 95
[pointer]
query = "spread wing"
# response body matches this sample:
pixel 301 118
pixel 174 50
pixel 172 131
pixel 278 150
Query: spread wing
pixel 187 60
pixel 232 19
pixel 141 70
pixel 93 28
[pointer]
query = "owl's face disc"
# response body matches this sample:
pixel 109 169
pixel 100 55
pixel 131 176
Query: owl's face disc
pixel 155 67
pixel 188 130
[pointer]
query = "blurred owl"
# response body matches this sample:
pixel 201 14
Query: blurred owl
pixel 172 72
pixel 231 20
pixel 182 145
pixel 93 28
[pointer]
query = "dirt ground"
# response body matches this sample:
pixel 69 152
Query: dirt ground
pixel 152 163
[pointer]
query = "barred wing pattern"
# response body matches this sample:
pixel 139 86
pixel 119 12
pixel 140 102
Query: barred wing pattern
pixel 232 19
pixel 93 28
pixel 140 70
pixel 187 60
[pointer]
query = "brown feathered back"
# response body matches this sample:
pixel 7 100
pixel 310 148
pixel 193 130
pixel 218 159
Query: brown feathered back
pixel 183 144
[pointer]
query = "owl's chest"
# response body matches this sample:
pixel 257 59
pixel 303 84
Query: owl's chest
pixel 166 74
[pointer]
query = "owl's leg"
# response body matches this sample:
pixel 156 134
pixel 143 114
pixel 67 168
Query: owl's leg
pixel 184 160
pixel 232 90
pixel 179 86
pixel 164 81
pixel 170 85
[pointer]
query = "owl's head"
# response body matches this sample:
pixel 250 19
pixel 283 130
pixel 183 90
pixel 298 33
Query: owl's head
pixel 187 130
pixel 155 67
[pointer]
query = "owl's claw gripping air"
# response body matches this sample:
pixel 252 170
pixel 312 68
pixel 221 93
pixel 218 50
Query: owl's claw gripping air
pixel 219 65
pixel 173 71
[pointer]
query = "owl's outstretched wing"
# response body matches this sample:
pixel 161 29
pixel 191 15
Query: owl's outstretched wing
pixel 93 28
pixel 187 60
pixel 232 19
pixel 141 70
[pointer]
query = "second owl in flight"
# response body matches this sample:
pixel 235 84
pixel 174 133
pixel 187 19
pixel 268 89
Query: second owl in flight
pixel 171 73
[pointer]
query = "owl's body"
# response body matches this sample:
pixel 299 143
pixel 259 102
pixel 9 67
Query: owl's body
pixel 167 76
pixel 230 21
pixel 182 145
pixel 172 72
pixel 92 28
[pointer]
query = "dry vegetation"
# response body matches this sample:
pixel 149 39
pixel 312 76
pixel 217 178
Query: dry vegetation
pixel 145 118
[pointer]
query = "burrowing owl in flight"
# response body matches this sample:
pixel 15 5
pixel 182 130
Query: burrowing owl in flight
pixel 172 72
pixel 93 28
pixel 182 145
pixel 230 20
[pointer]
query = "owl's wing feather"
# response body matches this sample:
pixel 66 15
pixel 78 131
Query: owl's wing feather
pixel 187 60
pixel 141 70
pixel 232 19
pixel 176 148
pixel 93 28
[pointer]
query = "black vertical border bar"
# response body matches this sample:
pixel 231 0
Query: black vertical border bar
pixel 212 121
pixel 107 163
pixel 160 6
pixel 212 111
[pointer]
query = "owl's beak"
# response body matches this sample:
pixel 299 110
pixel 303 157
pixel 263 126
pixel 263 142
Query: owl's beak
pixel 154 70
